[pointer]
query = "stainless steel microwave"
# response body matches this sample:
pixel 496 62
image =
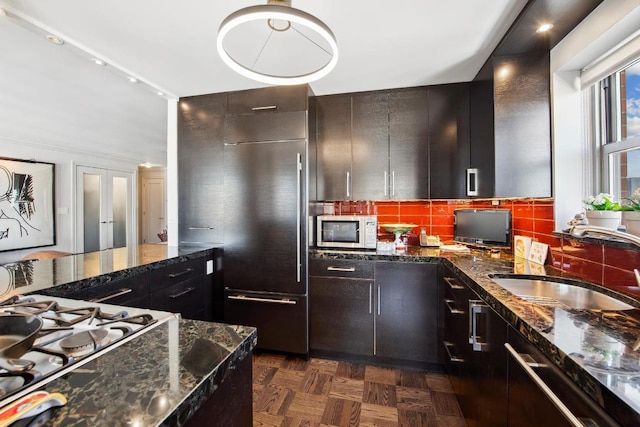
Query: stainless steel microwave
pixel 342 231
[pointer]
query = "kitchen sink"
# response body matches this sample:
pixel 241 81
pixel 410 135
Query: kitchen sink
pixel 549 292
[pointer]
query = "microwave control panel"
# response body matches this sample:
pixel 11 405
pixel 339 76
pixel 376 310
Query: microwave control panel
pixel 371 233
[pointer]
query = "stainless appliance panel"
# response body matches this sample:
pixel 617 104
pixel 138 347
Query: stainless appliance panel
pixel 265 218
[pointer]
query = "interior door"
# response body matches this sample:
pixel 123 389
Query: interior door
pixel 104 209
pixel 153 209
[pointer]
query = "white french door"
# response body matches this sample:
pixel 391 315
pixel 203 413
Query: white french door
pixel 104 209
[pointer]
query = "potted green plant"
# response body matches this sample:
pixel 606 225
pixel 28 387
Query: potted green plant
pixel 603 211
pixel 631 212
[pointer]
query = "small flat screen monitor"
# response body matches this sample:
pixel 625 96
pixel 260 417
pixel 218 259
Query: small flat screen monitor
pixel 483 227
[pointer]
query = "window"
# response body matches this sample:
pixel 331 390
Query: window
pixel 618 138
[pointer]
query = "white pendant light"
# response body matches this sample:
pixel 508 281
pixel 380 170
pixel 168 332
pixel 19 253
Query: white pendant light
pixel 300 30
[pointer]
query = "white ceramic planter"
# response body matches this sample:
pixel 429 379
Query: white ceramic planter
pixel 631 220
pixel 606 219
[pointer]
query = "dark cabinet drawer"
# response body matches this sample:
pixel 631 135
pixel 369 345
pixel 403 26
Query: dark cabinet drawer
pixel 268 99
pixel 176 273
pixel 186 298
pixel 341 268
pixel 120 292
pixel 281 322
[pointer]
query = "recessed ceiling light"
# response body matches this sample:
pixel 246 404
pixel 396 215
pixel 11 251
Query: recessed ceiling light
pixel 99 62
pixel 55 40
pixel 504 72
pixel 133 79
pixel 543 28
pixel 3 12
pixel 160 93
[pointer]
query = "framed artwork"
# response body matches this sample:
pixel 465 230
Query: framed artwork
pixel 27 204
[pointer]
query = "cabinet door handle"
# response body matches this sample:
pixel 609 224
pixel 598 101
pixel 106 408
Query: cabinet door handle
pixel 452 358
pixel 379 293
pixel 452 310
pixel 393 183
pixel 182 273
pixel 477 309
pixel 268 300
pixel 343 269
pixel 348 185
pixel 370 298
pixel 266 107
pixel 452 284
pixel 199 228
pixel 472 320
pixel 472 182
pixel 121 292
pixel 179 294
pixel 386 186
pixel 566 412
pixel 298 214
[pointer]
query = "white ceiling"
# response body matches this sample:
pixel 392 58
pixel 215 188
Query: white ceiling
pixel 54 95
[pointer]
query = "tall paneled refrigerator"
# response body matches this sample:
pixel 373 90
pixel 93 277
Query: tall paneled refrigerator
pixel 265 224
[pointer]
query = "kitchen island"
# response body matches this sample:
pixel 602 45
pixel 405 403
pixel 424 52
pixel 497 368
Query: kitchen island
pixel 596 349
pixel 176 372
pixel 182 372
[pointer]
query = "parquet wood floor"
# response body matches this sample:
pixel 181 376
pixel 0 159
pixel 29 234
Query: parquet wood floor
pixel 294 392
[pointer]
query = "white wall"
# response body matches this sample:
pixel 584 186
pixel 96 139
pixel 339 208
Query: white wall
pixel 63 159
pixel 608 25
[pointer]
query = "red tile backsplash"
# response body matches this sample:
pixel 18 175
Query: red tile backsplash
pixel 606 265
pixel 582 268
pixel 617 277
pixel 621 258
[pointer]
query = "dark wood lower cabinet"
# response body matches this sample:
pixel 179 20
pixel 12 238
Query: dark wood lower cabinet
pixel 533 379
pixel 475 357
pixel 341 315
pixel 231 403
pixel 499 377
pixel 391 314
pixel 406 323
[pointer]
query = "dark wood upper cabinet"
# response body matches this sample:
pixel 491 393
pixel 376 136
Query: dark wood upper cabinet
pixel 408 143
pixel 269 99
pixel 511 126
pixel 370 146
pixel 522 112
pixel 200 167
pixel 333 163
pixel 448 140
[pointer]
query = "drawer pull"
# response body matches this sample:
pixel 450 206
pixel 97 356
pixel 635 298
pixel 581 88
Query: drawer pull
pixel 179 294
pixel 452 284
pixel 452 310
pixel 121 292
pixel 266 107
pixel 268 300
pixel 182 273
pixel 342 269
pixel 528 368
pixel 200 228
pixel 457 359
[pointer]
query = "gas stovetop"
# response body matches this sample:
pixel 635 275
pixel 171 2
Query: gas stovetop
pixel 73 333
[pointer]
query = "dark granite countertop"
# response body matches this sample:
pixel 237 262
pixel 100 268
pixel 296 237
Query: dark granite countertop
pixel 92 268
pixel 160 377
pixel 597 349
